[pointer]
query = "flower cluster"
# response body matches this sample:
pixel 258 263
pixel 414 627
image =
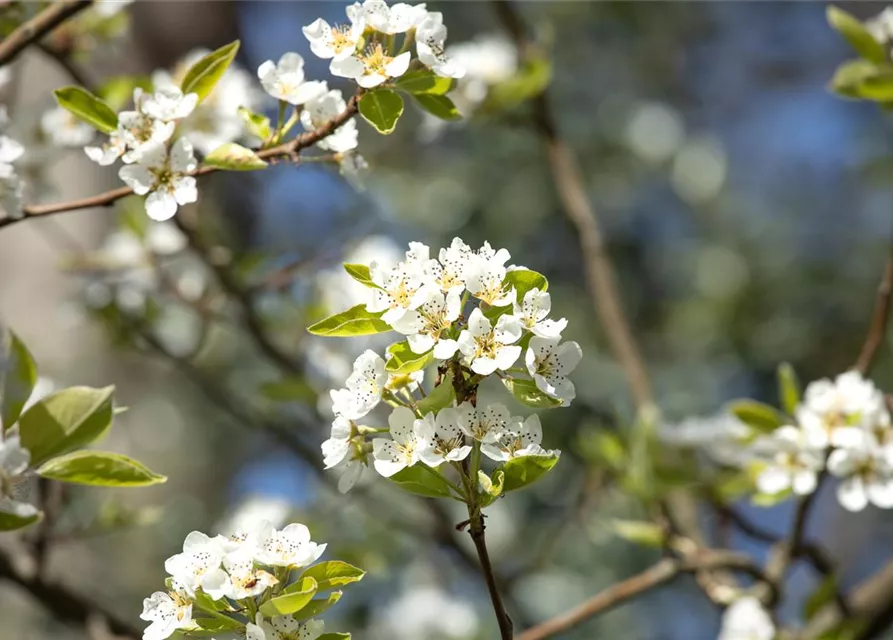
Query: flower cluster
pixel 14 461
pixel 842 426
pixel 11 186
pixel 238 573
pixel 746 619
pixel 426 299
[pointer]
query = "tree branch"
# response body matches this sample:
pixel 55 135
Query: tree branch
pixel 64 604
pixel 661 573
pixel 287 150
pixel 39 26
pixel 879 318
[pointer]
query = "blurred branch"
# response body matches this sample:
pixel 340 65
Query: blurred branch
pixel 39 26
pixel 663 572
pixel 286 151
pixel 69 66
pixel 879 319
pixel 61 602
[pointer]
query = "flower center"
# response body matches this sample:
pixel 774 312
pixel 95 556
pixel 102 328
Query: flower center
pixel 376 60
pixel 341 38
pixel 487 346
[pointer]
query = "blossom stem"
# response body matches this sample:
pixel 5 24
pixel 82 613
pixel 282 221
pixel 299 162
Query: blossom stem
pixel 476 530
pixel 453 485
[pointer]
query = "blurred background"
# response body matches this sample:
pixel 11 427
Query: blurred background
pixel 747 210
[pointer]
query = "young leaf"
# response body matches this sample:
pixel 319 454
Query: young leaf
pixel 857 35
pixel 65 421
pixel 214 626
pixel 382 109
pixel 18 374
pixel 12 521
pixel 334 636
pixel 757 415
pixel 234 157
pixel 100 469
pixel 356 321
pixel 204 75
pixel 333 574
pixel 416 480
pixel 317 606
pixel 824 594
pixel 526 392
pixel 423 81
pixel 530 81
pixel 257 124
pixel 360 273
pixel 89 108
pixel 851 76
pixel 646 534
pixel 441 396
pixel 403 360
pixel 522 471
pixel 491 488
pixel 291 600
pixel 788 388
pixel 439 106
pixel 117 91
pixel 523 280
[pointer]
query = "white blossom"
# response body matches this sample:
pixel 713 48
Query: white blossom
pixel 322 108
pixel 448 271
pixel 484 423
pixel 167 612
pixel 484 276
pixel 520 439
pixel 354 168
pixel 168 103
pixel 849 400
pixel 351 474
pixel 532 312
pixel 201 556
pixel 793 463
pixel 746 619
pixel 287 628
pixel 430 42
pixel 239 578
pixel 396 19
pixel 410 438
pixel 363 388
pixel 338 41
pixel 550 362
pixel 881 26
pixel 63 129
pixel 489 349
pixel 335 449
pixel 448 443
pixel 290 547
pixel 114 147
pixel 14 461
pixel 285 80
pixel 12 191
pixel 164 177
pixel 400 289
pixel 865 468
pixel 372 67
pixel 427 325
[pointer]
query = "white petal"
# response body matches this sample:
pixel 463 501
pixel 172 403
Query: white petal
pixel 484 366
pixel 182 158
pixel 851 494
pixel 445 349
pixel 351 67
pixel 398 66
pixel 161 205
pixel 401 422
pixel 138 178
pixel 507 356
pixel 185 190
pixel 773 480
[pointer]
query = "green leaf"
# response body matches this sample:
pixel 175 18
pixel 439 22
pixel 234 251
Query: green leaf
pixel 441 396
pixel 360 273
pixel 823 594
pixel 770 500
pixel 604 447
pixel 850 76
pixel 788 388
pixel 356 321
pixel 292 600
pixel 877 86
pixel 526 392
pixel 333 574
pixel 64 421
pixel 18 375
pixel 530 81
pixel 291 389
pixel 234 157
pixel 419 481
pixel 423 81
pixel 761 417
pixel 11 521
pixel 646 534
pixel 203 76
pixel 334 636
pixel 856 34
pixel 382 109
pixel 403 360
pixel 524 280
pixel 205 627
pixel 204 602
pixel 318 606
pixel 439 106
pixel 524 470
pixel 491 488
pixel 100 469
pixel 89 108
pixel 257 124
pixel 117 91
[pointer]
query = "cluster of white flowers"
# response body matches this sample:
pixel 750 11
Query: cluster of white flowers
pixel 153 166
pixel 881 26
pixel 842 426
pixel 14 462
pixel 746 619
pixel 233 567
pixel 11 186
pixel 424 299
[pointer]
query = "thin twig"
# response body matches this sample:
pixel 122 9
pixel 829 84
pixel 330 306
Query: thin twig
pixel 879 318
pixel 39 26
pixel 288 150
